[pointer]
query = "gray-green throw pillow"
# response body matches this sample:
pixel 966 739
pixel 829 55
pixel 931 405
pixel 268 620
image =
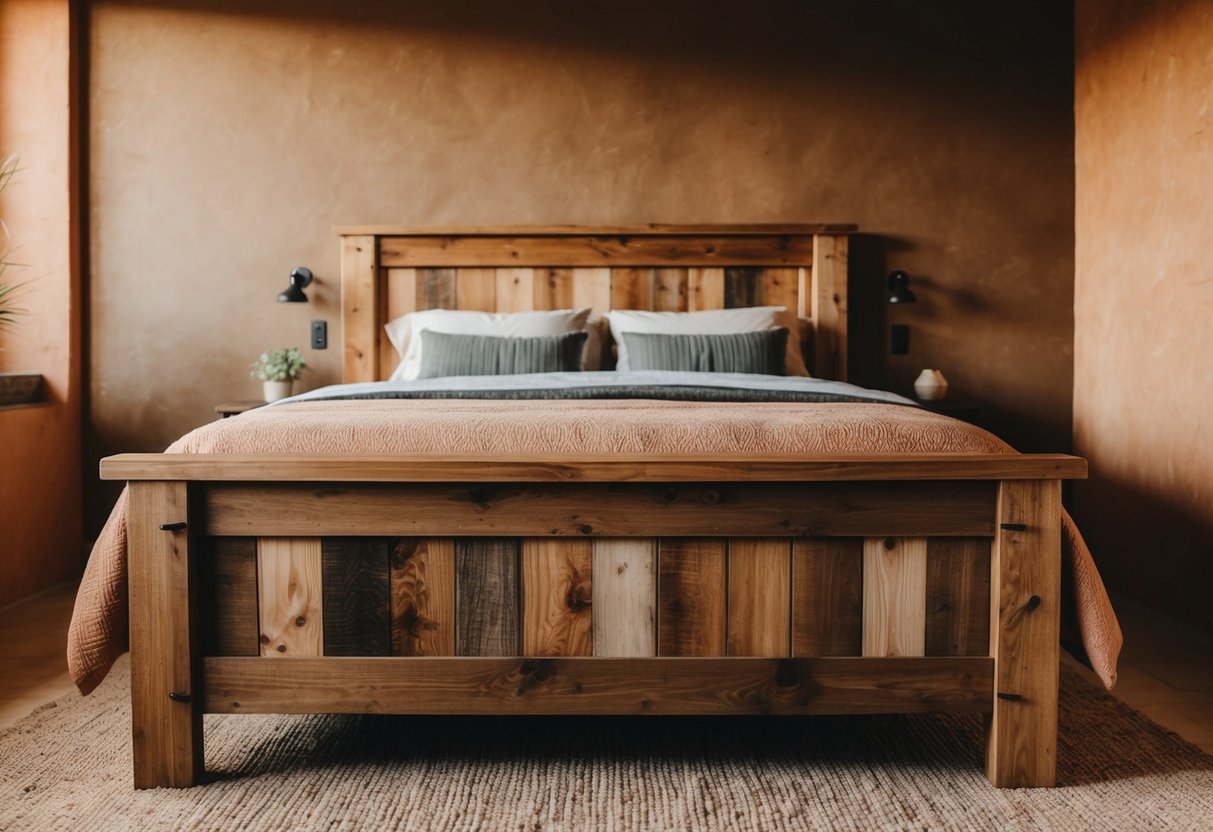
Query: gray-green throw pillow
pixel 762 352
pixel 444 354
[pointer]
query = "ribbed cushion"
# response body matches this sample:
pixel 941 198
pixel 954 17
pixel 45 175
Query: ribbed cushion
pixel 763 352
pixel 444 354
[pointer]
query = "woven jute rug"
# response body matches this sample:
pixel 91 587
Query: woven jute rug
pixel 67 766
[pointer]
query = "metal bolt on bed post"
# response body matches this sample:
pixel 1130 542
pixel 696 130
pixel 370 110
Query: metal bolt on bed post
pixel 172 527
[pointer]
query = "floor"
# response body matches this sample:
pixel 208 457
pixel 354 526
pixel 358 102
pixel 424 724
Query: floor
pixel 1166 669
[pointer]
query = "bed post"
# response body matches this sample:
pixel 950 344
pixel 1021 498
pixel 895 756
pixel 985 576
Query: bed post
pixel 360 308
pixel 166 702
pixel 1025 622
pixel 828 306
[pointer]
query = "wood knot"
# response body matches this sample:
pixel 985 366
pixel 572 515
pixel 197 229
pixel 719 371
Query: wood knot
pixel 711 496
pixel 265 639
pixel 300 621
pixel 786 675
pixel 585 528
pixel 281 648
pixel 1033 603
pixel 480 496
pixel 890 543
pixel 577 598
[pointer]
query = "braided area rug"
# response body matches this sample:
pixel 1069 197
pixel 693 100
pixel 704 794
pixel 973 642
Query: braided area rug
pixel 67 766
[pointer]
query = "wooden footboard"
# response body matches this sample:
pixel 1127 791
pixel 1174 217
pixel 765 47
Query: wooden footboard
pixel 597 586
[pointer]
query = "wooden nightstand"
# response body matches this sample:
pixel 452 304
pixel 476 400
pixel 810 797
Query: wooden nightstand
pixel 966 411
pixel 225 409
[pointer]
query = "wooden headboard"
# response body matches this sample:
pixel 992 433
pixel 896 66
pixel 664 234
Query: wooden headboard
pixel 388 271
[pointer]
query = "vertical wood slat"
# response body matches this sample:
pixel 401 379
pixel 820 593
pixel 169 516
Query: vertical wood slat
pixel 691 597
pixel 592 288
pixel 162 575
pixel 359 308
pixel 515 290
pixel 631 288
pixel 958 596
pixel 556 597
pixel 625 596
pixel 476 290
pixel 759 596
pixel 827 596
pixel 436 288
pixel 486 596
pixel 743 286
pixel 357 606
pixel 894 596
pixel 829 311
pixel 423 597
pixel 781 287
pixel 670 290
pixel 553 289
pixel 230 587
pixel 1025 599
pixel 398 298
pixel 289 596
pixel 705 289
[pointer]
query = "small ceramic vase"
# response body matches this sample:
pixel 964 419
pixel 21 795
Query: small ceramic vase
pixel 275 390
pixel 930 385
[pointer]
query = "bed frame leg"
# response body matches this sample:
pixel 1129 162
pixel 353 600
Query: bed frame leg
pixel 1025 621
pixel 166 711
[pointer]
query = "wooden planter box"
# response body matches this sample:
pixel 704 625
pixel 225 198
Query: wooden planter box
pixel 20 388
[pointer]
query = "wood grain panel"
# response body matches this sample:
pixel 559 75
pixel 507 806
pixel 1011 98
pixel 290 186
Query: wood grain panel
pixel 781 287
pixel 591 509
pixel 625 596
pixel 553 289
pixel 476 290
pixel 691 597
pixel 705 289
pixel 398 298
pixel 827 596
pixel 631 288
pixel 742 287
pixel 958 596
pixel 423 597
pixel 598 686
pixel 670 290
pixel 230 597
pixel 760 594
pixel 894 596
pixel 289 596
pixel 436 288
pixel 357 604
pixel 486 597
pixel 162 575
pixel 1025 597
pixel 592 288
pixel 515 290
pixel 830 307
pixel 557 594
pixel 572 251
pixel 359 309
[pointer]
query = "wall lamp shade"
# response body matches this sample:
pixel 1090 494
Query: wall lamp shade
pixel 301 278
pixel 899 288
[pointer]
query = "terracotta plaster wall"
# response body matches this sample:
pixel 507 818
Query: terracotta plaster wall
pixel 40 489
pixel 228 138
pixel 1143 385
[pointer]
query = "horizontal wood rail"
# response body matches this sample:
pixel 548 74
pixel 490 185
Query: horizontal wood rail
pixel 758 229
pixel 598 685
pixel 613 468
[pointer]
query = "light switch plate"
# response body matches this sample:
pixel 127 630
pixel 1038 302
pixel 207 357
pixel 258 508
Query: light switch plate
pixel 320 335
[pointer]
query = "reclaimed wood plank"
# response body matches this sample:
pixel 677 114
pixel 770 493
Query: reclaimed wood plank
pixel 486 597
pixel 230 596
pixel 759 596
pixel 436 288
pixel 423 596
pixel 359 309
pixel 830 307
pixel 553 289
pixel 632 288
pixel 557 594
pixel 599 686
pixel 398 298
pixel 742 287
pixel 827 596
pixel 781 287
pixel 705 289
pixel 357 604
pixel 290 596
pixel 958 596
pixel 625 596
pixel 1025 598
pixel 691 597
pixel 476 290
pixel 162 575
pixel 515 290
pixel 592 288
pixel 670 290
pixel 894 596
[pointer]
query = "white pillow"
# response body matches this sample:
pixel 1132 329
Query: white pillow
pixel 405 331
pixel 708 322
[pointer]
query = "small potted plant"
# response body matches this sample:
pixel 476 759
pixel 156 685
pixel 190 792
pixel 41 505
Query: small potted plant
pixel 278 370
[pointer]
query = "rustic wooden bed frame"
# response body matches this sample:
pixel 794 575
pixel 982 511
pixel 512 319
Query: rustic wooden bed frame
pixel 607 585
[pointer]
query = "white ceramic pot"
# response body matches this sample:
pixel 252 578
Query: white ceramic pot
pixel 930 385
pixel 275 390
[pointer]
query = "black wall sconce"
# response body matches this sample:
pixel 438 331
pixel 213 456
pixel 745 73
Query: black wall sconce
pixel 899 292
pixel 301 278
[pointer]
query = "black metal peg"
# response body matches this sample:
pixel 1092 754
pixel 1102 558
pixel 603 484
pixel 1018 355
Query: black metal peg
pixel 179 697
pixel 1015 527
pixel 1032 603
pixel 1010 697
pixel 172 527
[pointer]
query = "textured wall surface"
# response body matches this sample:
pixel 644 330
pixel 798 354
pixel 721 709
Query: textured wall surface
pixel 40 493
pixel 228 138
pixel 1143 385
